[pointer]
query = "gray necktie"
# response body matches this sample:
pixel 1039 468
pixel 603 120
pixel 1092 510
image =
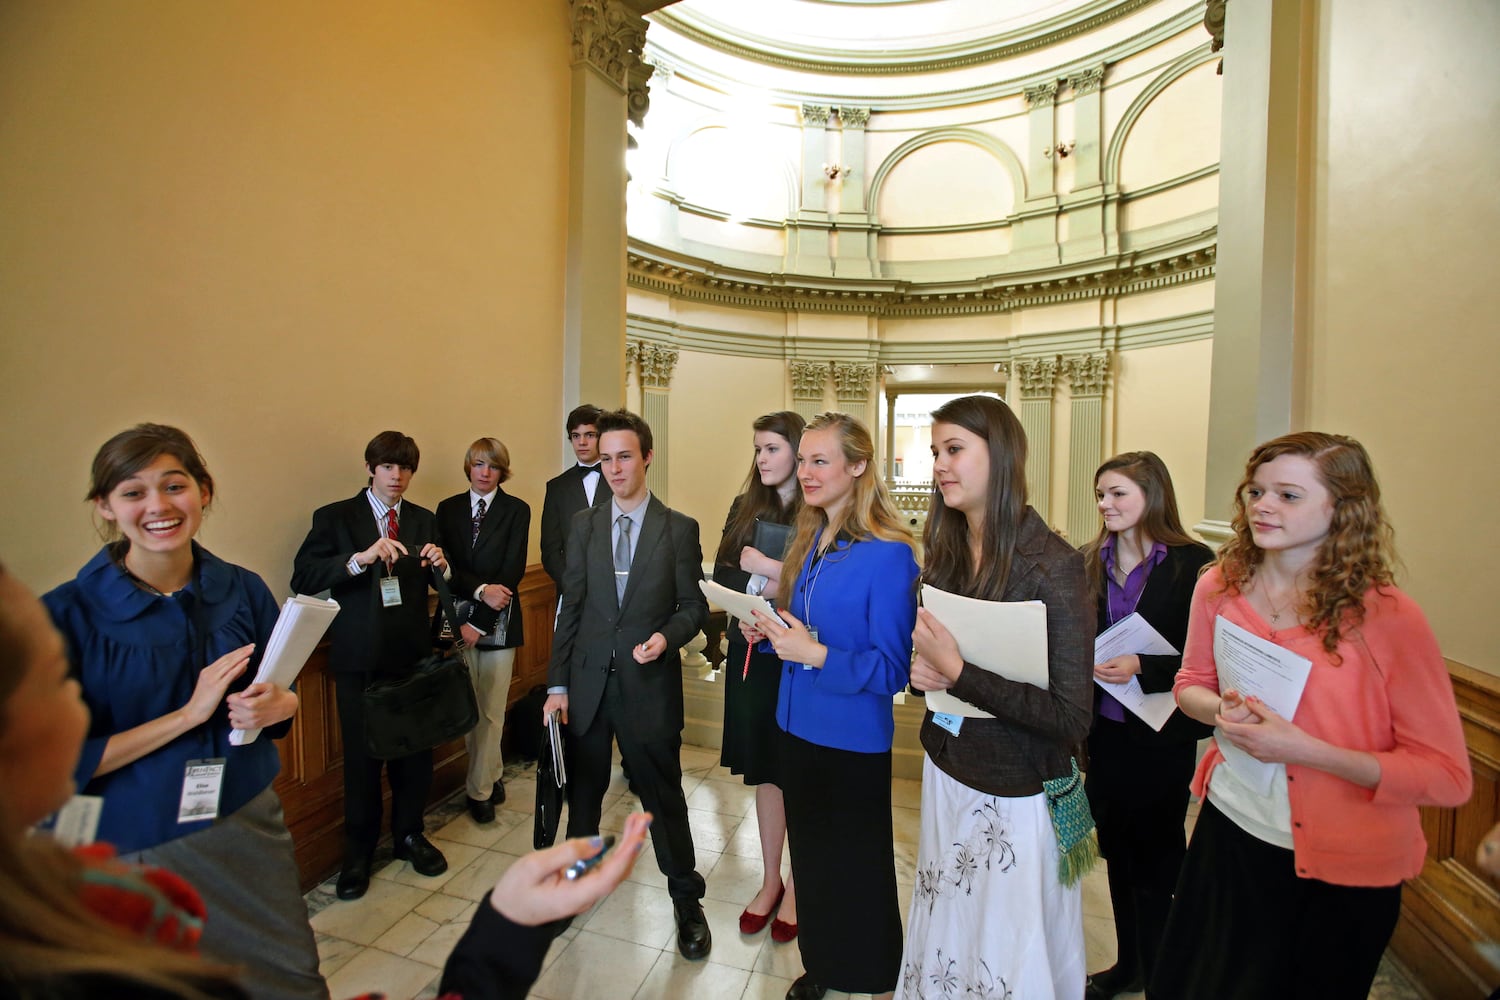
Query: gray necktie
pixel 622 557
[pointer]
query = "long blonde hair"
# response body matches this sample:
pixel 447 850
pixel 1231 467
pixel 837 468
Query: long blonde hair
pixel 869 512
pixel 48 938
pixel 1358 552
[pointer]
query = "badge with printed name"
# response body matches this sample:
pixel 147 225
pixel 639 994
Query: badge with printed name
pixel 812 630
pixel 949 722
pixel 77 822
pixel 390 592
pixel 201 785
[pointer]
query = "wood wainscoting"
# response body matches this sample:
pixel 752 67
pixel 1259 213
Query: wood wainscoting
pixel 1452 906
pixel 311 783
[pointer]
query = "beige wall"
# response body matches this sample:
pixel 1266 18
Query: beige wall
pixel 283 227
pixel 1402 349
pixel 1160 404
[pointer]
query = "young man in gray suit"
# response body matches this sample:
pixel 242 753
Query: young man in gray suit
pixel 630 599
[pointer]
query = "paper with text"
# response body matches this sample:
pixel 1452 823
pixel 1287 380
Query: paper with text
pixel 1252 665
pixel 1008 638
pixel 736 604
pixel 298 630
pixel 1133 634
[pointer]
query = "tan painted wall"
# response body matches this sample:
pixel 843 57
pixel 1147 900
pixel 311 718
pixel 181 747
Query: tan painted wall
pixel 284 227
pixel 1160 404
pixel 1404 298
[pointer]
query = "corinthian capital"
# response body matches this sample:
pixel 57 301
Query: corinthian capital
pixel 1087 373
pixel 851 381
pixel 815 114
pixel 609 36
pixel 1088 81
pixel 808 379
pixel 1037 376
pixel 854 117
pixel 657 363
pixel 1043 95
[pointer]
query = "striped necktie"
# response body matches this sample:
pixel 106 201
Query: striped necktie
pixel 477 521
pixel 390 523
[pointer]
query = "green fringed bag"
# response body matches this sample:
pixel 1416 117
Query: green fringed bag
pixel 1073 824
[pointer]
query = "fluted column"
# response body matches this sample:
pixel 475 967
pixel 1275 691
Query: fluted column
pixel 890 436
pixel 1037 377
pixel 1091 226
pixel 1087 374
pixel 607 41
pixel 808 381
pixel 656 363
pixel 1035 239
pixel 808 237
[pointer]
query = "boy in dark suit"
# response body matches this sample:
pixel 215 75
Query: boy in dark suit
pixel 484 531
pixel 372 553
pixel 579 488
pixel 630 600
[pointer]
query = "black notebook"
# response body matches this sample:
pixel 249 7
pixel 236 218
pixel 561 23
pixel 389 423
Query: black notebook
pixel 771 538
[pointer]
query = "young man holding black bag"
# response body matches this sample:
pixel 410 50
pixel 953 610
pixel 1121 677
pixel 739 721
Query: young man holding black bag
pixel 372 553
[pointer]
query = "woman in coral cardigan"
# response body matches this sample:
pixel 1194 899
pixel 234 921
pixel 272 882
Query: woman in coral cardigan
pixel 1296 893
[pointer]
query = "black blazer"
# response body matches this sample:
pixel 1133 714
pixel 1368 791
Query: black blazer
pixel 565 498
pixel 594 630
pixel 1164 603
pixel 366 635
pixel 498 555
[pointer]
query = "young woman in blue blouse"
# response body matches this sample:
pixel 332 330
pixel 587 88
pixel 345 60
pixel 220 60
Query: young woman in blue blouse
pixel 846 650
pixel 164 636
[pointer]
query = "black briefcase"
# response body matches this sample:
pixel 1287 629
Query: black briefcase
pixel 432 704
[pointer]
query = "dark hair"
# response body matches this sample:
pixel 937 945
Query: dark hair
pixel 128 452
pixel 1356 555
pixel 588 413
pixel 13 646
pixel 947 562
pixel 392 448
pixel 493 451
pixel 757 500
pixel 1159 522
pixel 623 420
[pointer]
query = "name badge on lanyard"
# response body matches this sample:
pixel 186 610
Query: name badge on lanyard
pixel 390 591
pixel 202 783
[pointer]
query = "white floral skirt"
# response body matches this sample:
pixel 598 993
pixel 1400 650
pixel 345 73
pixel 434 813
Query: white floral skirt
pixel 989 919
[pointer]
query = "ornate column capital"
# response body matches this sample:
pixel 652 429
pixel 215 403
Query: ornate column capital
pixel 854 117
pixel 1088 81
pixel 1213 22
pixel 1037 376
pixel 638 93
pixel 1043 95
pixel 609 36
pixel 815 114
pixel 633 349
pixel 808 379
pixel 851 381
pixel 1087 373
pixel 657 363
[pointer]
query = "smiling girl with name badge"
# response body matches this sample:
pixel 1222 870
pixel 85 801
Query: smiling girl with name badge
pixel 164 636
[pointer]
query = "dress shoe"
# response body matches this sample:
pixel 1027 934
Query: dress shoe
pixel 354 877
pixel 497 794
pixel 805 989
pixel 1111 982
pixel 425 859
pixel 754 923
pixel 693 937
pixel 782 932
pixel 482 810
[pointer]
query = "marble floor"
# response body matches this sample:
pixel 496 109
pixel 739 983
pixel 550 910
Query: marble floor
pixel 397 937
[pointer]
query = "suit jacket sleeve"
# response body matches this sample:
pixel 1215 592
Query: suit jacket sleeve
pixel 512 566
pixel 555 531
pixel 1168 612
pixel 574 591
pixel 496 959
pixel 320 564
pixel 687 570
pixel 727 575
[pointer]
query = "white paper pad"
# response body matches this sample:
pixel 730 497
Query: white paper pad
pixel 741 606
pixel 299 628
pixel 1133 634
pixel 1252 665
pixel 1008 638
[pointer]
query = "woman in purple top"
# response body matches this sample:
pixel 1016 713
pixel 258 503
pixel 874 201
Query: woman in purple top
pixel 1143 562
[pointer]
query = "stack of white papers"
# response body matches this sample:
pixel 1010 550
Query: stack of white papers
pixel 1133 634
pixel 298 631
pixel 1255 666
pixel 1008 638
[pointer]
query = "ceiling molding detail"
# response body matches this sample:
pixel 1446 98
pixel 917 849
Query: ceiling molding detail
pixel 657 270
pixel 925 59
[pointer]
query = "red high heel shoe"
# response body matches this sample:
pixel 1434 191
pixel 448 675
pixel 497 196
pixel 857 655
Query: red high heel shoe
pixel 754 923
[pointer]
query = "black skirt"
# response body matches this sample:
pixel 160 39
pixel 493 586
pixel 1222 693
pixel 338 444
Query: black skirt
pixel 750 731
pixel 838 821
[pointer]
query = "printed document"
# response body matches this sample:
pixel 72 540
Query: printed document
pixel 1252 665
pixel 1133 634
pixel 1008 638
pixel 299 628
pixel 735 603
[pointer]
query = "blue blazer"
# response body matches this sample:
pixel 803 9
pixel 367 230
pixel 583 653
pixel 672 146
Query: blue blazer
pixel 861 597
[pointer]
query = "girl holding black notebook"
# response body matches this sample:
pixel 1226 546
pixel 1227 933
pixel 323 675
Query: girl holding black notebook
pixel 749 560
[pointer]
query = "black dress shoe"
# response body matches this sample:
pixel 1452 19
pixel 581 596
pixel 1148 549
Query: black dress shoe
pixel 805 989
pixel 693 937
pixel 481 810
pixel 1110 983
pixel 497 796
pixel 425 859
pixel 354 877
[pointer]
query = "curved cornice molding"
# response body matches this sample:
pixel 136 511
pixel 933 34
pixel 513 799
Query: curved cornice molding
pixel 1176 70
pixel 665 272
pixel 990 144
pixel 1190 20
pixel 923 59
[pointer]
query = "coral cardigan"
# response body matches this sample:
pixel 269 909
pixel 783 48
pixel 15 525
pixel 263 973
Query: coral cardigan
pixel 1391 696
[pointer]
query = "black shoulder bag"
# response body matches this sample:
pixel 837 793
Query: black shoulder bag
pixel 432 704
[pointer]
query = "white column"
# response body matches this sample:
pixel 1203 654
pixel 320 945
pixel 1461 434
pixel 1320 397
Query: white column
pixel 1087 375
pixel 1037 376
pixel 656 363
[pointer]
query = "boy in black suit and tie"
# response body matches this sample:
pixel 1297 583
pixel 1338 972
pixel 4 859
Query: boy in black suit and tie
pixel 630 599
pixel 354 548
pixel 579 488
pixel 484 531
